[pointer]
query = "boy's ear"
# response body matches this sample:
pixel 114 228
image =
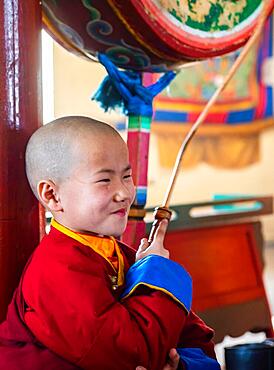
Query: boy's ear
pixel 48 195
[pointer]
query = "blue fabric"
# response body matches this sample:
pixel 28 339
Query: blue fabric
pixel 170 116
pixel 125 88
pixel 243 116
pixel 196 359
pixel 159 272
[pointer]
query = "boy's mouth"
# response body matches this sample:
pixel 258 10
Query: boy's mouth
pixel 120 212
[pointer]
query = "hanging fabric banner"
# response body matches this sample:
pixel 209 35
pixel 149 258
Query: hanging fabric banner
pixel 229 137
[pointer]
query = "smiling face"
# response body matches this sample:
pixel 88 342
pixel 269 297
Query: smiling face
pixel 97 195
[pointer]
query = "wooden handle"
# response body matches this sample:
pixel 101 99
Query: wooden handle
pixel 160 213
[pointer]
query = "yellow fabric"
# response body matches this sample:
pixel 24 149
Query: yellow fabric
pixel 106 246
pixel 223 146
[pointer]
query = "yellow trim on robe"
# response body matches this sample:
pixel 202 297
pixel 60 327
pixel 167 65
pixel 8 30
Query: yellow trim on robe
pixel 105 246
pixel 155 287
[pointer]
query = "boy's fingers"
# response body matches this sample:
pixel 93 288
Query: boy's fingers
pixel 144 245
pixel 161 231
pixel 173 358
pixel 173 361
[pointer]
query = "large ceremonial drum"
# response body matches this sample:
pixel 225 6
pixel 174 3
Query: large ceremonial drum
pixel 152 35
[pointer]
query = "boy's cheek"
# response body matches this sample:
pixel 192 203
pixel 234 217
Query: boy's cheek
pixel 133 194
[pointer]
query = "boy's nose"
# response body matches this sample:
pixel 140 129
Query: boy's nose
pixel 122 194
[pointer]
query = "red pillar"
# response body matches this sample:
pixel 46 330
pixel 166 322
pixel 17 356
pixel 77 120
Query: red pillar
pixel 20 115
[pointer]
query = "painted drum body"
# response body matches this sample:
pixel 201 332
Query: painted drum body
pixel 152 35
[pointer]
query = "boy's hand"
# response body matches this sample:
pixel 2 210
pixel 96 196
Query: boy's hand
pixel 172 362
pixel 157 245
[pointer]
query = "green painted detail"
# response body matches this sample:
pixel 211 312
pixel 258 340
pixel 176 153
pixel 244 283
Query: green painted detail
pixel 210 15
pixel 94 13
pixel 139 122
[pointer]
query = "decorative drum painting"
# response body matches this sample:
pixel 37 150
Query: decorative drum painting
pixel 151 35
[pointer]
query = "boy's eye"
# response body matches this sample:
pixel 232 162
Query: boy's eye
pixel 127 176
pixel 104 180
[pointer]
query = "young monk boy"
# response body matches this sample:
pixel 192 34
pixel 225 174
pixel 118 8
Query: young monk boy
pixel 85 300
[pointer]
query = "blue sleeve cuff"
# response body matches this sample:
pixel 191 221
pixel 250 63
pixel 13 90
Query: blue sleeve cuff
pixel 162 274
pixel 196 359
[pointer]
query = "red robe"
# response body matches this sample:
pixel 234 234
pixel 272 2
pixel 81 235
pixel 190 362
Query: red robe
pixel 72 309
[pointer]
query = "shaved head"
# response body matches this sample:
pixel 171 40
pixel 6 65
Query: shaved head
pixel 51 152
